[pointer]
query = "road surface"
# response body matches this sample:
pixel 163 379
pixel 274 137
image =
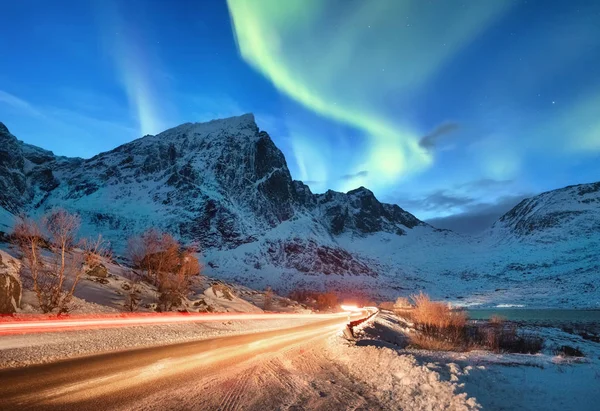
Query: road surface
pixel 281 369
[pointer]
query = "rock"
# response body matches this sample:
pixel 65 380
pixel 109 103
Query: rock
pixel 10 286
pixel 98 271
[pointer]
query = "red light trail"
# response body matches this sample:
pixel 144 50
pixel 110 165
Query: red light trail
pixel 41 324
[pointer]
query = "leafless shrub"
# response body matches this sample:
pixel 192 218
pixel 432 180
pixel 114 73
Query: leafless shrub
pixel 402 303
pixel 51 273
pixel 327 301
pixel 318 300
pixel 387 305
pixel 132 289
pixel 302 296
pixel 165 264
pixel 268 301
pixel 427 342
pixel 96 251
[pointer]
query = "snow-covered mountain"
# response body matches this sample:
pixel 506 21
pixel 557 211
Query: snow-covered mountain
pixel 554 216
pixel 225 185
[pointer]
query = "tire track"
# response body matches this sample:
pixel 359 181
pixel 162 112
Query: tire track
pixel 233 397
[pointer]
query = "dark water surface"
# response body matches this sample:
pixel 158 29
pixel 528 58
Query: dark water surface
pixel 537 315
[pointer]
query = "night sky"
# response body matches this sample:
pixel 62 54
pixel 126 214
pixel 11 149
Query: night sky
pixel 455 110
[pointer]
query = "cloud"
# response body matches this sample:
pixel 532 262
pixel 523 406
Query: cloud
pixel 459 198
pixel 347 177
pixel 467 207
pixel 430 141
pixel 438 201
pixel 19 104
pixel 483 183
pixel 478 217
pixel 344 63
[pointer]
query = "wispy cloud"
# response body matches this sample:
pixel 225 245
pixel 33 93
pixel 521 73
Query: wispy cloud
pixel 18 104
pixel 461 197
pixel 362 173
pixel 431 140
pixel 478 216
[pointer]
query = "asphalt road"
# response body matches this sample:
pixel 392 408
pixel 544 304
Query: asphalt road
pixel 125 379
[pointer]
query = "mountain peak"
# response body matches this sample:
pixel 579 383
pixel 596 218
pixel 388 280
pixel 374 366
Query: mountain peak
pixel 243 120
pixel 3 128
pixel 363 191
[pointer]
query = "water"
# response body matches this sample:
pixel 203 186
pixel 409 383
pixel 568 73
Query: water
pixel 537 315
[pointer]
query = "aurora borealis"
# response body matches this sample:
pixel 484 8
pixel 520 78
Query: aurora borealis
pixel 454 110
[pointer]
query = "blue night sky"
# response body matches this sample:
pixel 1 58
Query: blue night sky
pixel 455 110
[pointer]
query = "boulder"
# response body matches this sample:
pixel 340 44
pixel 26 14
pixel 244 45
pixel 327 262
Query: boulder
pixel 10 286
pixel 98 271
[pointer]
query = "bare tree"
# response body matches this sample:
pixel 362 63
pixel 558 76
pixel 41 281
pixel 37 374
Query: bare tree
pixel 96 251
pixel 132 298
pixel 56 274
pixel 268 302
pixel 28 237
pixel 154 253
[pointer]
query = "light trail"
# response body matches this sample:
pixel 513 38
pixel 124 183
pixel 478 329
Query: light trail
pixel 38 324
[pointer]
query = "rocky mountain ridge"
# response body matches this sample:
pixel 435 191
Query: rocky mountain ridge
pixel 225 185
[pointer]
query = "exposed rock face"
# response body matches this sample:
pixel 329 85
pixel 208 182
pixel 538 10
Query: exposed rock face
pixel 359 211
pixel 10 286
pixel 98 271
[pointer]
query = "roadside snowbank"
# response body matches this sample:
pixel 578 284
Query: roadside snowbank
pixel 398 380
pixel 492 381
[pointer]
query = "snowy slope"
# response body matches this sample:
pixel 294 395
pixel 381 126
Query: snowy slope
pixel 225 185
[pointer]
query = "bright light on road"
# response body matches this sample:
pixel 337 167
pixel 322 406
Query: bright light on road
pixel 351 308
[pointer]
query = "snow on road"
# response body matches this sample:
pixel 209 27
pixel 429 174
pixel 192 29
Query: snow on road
pixel 326 372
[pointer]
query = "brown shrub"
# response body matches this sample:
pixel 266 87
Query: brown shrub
pixel 318 300
pixel 436 314
pixel 164 264
pixel 326 301
pixel 387 305
pixel 425 342
pixel 437 325
pixel 402 303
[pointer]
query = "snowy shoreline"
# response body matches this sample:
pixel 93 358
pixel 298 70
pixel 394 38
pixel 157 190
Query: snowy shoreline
pixel 484 379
